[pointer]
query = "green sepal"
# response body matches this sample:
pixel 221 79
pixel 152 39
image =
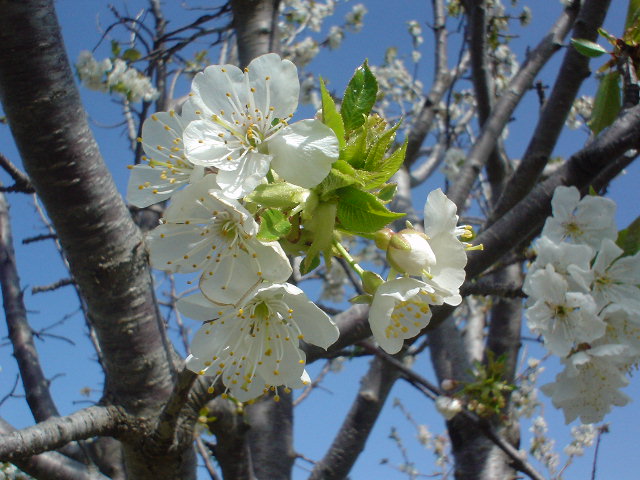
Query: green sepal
pixel 358 98
pixel 360 211
pixel 633 15
pixel 273 226
pixel 309 263
pixel 607 103
pixel 362 299
pixel 278 195
pixel 629 238
pixel 587 47
pixel 321 224
pixel 330 115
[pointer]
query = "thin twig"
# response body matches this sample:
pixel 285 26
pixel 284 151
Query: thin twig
pixel 53 286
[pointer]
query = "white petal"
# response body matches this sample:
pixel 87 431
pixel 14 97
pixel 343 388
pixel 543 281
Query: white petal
pixel 149 185
pixel 210 88
pixel 282 89
pixel 230 279
pixel 316 326
pixel 204 146
pixel 248 175
pixel 303 152
pixel 439 214
pixel 274 263
pixel 197 306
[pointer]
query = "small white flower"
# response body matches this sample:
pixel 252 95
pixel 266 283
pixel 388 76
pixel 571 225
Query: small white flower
pixel 440 225
pixel 166 169
pixel 91 72
pixel 589 385
pixel 564 318
pixel 203 230
pixel 448 407
pixel 587 221
pixel 254 345
pixel 244 127
pixel 399 310
pixel 615 279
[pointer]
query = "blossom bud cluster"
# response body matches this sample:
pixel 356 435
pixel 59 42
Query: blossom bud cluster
pixel 232 136
pixel 114 76
pixel 584 300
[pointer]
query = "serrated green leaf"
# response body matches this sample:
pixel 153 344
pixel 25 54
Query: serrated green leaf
pixel 379 149
pixel 330 115
pixel 341 175
pixel 277 195
pixel 360 211
pixel 607 103
pixel 273 226
pixel 358 98
pixel 355 149
pixel 587 47
pixel 629 238
pixel 385 170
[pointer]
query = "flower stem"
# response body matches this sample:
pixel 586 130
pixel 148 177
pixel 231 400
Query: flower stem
pixel 352 263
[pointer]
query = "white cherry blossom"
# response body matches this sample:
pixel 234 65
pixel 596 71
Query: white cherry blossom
pixel 589 385
pixel 254 345
pixel 166 169
pixel 564 318
pixel 616 278
pixel 204 231
pixel 587 221
pixel 400 310
pixel 243 127
pixel 440 225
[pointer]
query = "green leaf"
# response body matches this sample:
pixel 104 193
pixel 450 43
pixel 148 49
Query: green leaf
pixel 273 226
pixel 354 150
pixel 331 116
pixel 387 192
pixel 633 13
pixel 358 98
pixel 277 195
pixel 341 175
pixel 131 55
pixel 378 150
pixel 629 238
pixel 385 169
pixel 360 211
pixel 607 103
pixel 587 47
pixel 115 48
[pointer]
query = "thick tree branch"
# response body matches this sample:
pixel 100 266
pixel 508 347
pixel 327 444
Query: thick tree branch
pixel 349 443
pixel 58 431
pixel 501 113
pixel 580 170
pixel 52 465
pixel 573 71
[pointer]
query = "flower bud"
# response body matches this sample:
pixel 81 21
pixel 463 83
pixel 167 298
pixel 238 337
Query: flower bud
pixel 409 252
pixel 448 407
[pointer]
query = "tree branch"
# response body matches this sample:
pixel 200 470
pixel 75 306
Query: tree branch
pixel 58 431
pixel 573 71
pixel 501 113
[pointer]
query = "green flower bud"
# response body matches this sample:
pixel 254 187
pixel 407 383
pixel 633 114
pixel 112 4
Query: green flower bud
pixel 383 237
pixel 409 252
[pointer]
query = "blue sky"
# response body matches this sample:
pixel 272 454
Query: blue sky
pixel 318 418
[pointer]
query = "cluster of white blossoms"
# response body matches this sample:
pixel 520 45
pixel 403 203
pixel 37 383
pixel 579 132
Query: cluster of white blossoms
pixel 114 76
pixel 401 306
pixel 584 299
pixel 232 135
